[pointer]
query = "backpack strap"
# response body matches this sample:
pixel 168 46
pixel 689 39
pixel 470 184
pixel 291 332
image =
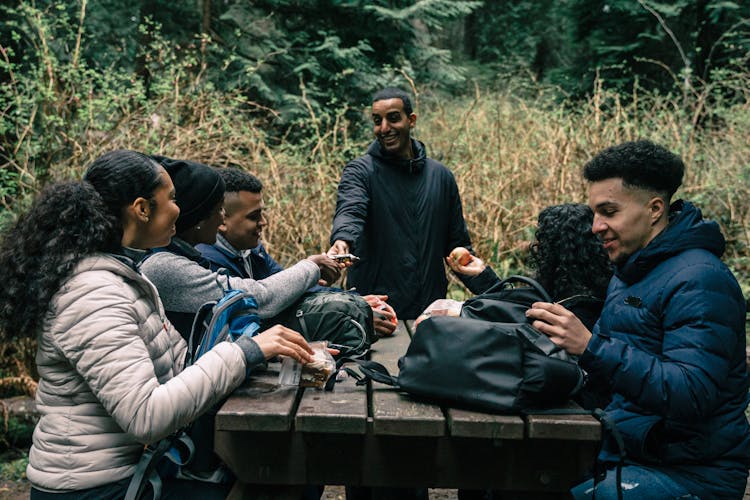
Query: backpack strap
pixel 146 470
pixel 522 279
pixel 369 370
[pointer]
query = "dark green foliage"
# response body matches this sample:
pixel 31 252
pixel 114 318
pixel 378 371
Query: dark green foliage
pixel 303 59
pixel 569 43
pixel 339 51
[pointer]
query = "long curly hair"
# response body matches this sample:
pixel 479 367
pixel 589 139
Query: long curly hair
pixel 568 258
pixel 66 222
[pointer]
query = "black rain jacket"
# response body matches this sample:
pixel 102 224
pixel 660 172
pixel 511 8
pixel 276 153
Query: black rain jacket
pixel 402 218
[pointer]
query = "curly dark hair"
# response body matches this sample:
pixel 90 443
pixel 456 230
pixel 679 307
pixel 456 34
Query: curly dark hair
pixel 569 259
pixel 640 164
pixel 66 222
pixel 237 180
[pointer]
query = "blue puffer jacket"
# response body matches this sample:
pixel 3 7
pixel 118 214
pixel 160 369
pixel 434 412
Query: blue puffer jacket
pixel 220 257
pixel 671 339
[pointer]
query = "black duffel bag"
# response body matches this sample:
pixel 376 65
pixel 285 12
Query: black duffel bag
pixel 482 365
pixel 504 302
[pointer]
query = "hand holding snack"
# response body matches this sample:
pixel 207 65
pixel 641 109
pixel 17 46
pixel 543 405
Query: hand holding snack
pixel 384 318
pixel 339 252
pixel 329 268
pixel 314 373
pixel 280 340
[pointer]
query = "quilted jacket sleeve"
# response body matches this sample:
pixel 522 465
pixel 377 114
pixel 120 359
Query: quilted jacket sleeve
pixel 698 317
pixel 184 285
pixel 111 337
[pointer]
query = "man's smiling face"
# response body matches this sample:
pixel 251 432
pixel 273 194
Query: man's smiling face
pixel 244 220
pixel 623 217
pixel 392 126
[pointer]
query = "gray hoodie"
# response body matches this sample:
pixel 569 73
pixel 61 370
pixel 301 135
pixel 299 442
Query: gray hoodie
pixel 184 285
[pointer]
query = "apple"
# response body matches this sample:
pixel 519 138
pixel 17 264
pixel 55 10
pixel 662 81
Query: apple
pixel 460 255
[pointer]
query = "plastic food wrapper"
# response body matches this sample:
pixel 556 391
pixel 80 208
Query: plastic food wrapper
pixel 440 307
pixel 313 374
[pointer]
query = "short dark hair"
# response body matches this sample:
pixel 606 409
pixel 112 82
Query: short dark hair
pixel 237 180
pixel 394 93
pixel 641 164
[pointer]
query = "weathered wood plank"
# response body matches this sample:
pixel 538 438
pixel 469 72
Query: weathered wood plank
pixel 567 427
pixel 395 413
pixel 260 404
pixel 463 423
pixel 343 410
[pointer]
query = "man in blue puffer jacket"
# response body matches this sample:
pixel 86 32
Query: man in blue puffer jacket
pixel 671 337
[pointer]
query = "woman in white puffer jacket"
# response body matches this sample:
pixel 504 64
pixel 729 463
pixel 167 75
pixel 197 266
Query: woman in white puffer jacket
pixel 110 363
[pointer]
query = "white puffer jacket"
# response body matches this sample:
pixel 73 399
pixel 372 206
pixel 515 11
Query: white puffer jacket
pixel 111 378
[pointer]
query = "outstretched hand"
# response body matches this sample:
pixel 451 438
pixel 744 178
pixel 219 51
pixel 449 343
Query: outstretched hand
pixel 330 270
pixel 340 247
pixel 560 325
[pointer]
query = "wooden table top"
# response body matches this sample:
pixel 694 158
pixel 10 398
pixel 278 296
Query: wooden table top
pixel 262 405
pixel 392 432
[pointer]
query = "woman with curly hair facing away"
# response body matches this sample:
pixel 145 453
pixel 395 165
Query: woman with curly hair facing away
pixel 570 263
pixel 110 363
pixel 568 259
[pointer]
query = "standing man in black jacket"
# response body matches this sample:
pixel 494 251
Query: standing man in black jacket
pixel 399 211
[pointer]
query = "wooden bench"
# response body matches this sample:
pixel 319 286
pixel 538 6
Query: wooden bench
pixel 376 436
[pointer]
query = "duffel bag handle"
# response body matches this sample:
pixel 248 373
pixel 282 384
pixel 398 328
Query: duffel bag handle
pixel 523 279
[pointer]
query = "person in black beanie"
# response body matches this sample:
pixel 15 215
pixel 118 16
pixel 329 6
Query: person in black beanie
pixel 182 275
pixel 199 188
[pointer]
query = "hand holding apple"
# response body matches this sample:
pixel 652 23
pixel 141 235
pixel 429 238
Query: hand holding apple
pixel 462 262
pixel 460 255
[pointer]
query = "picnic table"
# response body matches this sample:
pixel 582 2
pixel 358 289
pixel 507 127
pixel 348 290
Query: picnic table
pixel 377 436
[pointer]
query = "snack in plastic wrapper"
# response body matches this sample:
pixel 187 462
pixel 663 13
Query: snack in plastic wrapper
pixel 313 374
pixel 440 307
pixel 317 372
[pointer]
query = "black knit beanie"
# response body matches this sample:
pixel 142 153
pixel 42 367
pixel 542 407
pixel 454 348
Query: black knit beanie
pixel 199 189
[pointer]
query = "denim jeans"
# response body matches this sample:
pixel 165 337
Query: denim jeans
pixel 638 482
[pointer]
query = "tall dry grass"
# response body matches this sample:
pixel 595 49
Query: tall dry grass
pixel 514 156
pixel 513 152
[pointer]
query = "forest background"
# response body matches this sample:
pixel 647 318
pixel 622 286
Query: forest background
pixel 513 96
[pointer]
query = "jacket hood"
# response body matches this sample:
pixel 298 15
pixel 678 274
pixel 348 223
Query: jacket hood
pixel 687 230
pixel 412 166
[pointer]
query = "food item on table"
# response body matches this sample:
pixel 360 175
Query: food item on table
pixel 421 318
pixel 317 372
pixel 440 307
pixel 460 255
